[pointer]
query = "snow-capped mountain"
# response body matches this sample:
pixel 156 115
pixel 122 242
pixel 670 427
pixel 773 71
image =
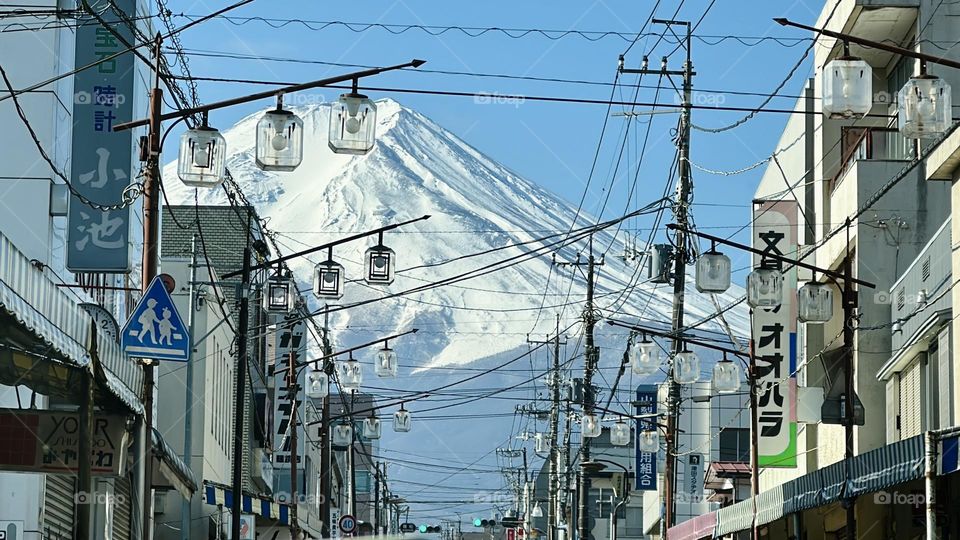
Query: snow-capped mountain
pixel 476 205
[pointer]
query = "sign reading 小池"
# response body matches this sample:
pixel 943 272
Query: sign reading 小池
pixel 646 461
pixel 47 441
pixel 774 334
pixel 98 240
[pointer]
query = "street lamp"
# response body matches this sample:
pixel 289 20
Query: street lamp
pixel 386 362
pixel 537 512
pixel 371 427
pixel 686 367
pixel 328 278
pixel 541 444
pixel 350 374
pixel 765 288
pixel 353 122
pixel 649 441
pixel 644 357
pixel 620 433
pixel 924 106
pixel 318 385
pixel 279 139
pixel 203 155
pixel 342 435
pixel 713 271
pixel 589 426
pixel 281 294
pixel 726 376
pixel 847 87
pixel 401 420
pixel 379 264
pixel 815 302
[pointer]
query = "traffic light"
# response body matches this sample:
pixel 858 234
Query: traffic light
pixel 477 522
pixel 425 529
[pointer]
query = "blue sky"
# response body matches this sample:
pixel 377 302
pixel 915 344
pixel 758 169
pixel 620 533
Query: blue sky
pixel 552 144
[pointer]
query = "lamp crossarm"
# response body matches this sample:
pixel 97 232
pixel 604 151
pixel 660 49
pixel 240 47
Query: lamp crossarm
pixel 773 256
pixel 269 93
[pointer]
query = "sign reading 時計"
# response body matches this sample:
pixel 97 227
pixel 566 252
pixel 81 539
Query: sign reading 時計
pixel 47 441
pixel 155 329
pixel 98 240
pixel 774 335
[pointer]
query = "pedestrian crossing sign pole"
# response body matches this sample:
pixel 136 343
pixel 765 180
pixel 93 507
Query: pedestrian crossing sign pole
pixel 155 329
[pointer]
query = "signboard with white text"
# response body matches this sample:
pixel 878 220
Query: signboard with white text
pixel 646 461
pixel 774 334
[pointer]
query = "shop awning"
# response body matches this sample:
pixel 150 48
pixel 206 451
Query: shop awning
pixel 694 529
pixel 215 494
pixel 172 468
pixel 869 472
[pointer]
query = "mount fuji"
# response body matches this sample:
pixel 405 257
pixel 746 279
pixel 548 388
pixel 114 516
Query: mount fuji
pixel 476 206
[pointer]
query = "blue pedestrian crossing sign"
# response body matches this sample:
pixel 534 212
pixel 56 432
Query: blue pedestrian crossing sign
pixel 155 329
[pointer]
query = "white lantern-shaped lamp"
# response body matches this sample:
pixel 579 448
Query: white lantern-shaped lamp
pixel 541 444
pixel 318 385
pixel 765 288
pixel 713 272
pixel 847 88
pixel 386 362
pixel 924 107
pixel 726 376
pixel 644 357
pixel 350 374
pixel 686 367
pixel 537 511
pixel 328 279
pixel 379 264
pixel 353 122
pixel 620 434
pixel 279 140
pixel 590 426
pixel 280 294
pixel 649 441
pixel 815 302
pixel 342 435
pixel 401 420
pixel 203 157
pixel 371 427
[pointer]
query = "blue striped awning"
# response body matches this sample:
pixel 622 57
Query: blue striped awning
pixel 268 508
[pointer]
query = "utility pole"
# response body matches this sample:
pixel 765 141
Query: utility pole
pixel 325 451
pixel 553 481
pixel 680 260
pixel 292 389
pixel 592 357
pixel 241 391
pixel 151 228
pixel 376 499
pixel 849 417
pixel 186 506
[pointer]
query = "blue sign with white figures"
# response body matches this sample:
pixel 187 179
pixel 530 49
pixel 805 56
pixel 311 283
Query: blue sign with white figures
pixel 155 329
pixel 646 461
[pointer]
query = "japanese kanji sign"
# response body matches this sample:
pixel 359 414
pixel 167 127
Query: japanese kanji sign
pixel 47 442
pixel 646 461
pixel 774 335
pixel 101 166
pixel 280 342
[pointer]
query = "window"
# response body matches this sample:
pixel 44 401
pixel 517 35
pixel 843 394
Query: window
pixel 735 445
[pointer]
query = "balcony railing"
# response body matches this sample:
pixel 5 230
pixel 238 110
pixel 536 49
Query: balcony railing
pixel 874 143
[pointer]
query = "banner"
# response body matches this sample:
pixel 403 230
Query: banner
pixel 646 461
pixel 102 160
pixel 280 341
pixel 774 334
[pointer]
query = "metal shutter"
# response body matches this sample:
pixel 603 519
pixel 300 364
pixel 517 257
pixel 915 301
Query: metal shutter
pixel 121 512
pixel 910 403
pixel 58 507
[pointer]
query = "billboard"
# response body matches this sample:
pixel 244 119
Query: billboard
pixel 101 167
pixel 774 335
pixel 646 465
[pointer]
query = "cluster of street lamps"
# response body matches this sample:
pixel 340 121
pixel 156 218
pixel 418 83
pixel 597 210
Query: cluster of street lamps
pixel 279 141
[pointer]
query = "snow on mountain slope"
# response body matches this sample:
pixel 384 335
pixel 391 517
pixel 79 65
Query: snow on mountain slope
pixel 476 204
